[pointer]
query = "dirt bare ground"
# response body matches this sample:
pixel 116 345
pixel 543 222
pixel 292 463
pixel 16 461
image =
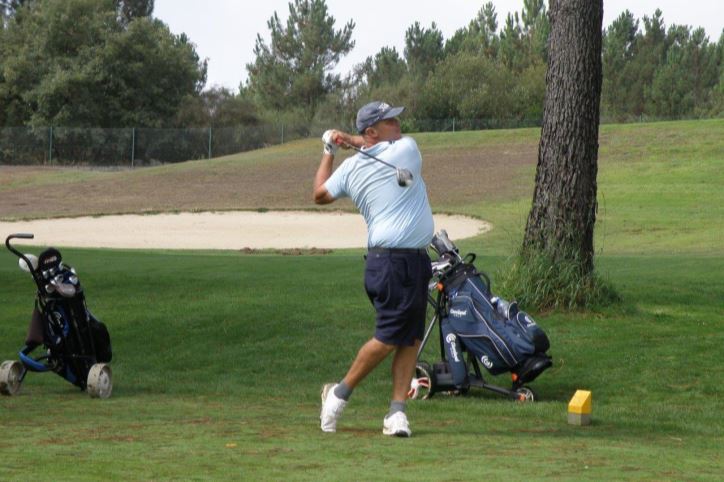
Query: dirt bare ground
pixel 281 178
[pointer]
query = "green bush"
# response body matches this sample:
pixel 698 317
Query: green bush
pixel 537 280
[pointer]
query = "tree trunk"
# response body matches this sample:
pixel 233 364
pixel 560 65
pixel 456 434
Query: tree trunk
pixel 561 220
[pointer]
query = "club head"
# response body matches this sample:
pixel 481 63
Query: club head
pixel 33 262
pixel 66 290
pixel 404 177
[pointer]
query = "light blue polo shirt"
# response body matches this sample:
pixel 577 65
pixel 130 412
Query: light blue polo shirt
pixel 396 216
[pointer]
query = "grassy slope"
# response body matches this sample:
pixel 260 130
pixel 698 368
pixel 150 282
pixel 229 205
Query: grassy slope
pixel 659 190
pixel 658 183
pixel 219 356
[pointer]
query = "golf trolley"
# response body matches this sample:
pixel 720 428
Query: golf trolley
pixel 475 328
pixel 77 345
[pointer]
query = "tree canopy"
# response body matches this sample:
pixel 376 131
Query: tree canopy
pixel 658 72
pixel 294 70
pixel 111 63
pixel 74 63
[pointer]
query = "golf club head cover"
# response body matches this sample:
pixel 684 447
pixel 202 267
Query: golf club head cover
pixel 329 146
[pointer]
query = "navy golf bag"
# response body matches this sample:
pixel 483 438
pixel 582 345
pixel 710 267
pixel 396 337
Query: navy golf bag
pixel 76 345
pixel 477 328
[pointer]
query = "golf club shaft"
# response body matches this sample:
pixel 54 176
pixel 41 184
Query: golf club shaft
pixel 370 156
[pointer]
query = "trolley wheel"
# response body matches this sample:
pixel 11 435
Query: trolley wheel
pixel 11 376
pixel 423 384
pixel 525 394
pixel 100 381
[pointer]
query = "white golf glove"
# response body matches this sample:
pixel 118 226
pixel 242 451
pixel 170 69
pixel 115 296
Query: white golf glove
pixel 329 146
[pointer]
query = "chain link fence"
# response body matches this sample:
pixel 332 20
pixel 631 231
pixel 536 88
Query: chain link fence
pixel 130 146
pixel 136 147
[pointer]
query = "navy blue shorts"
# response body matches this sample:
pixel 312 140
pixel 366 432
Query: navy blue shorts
pixel 396 283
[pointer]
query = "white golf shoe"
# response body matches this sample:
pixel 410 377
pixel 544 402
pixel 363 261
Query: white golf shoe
pixel 331 408
pixel 397 425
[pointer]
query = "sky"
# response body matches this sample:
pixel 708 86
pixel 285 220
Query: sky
pixel 224 31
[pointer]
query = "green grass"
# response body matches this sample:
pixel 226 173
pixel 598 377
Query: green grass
pixel 219 356
pixel 659 191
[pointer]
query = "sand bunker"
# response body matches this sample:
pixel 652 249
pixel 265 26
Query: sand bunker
pixel 218 230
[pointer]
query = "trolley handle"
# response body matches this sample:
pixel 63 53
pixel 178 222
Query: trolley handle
pixel 20 255
pixel 18 236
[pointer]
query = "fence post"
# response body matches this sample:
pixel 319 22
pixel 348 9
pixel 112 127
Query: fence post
pixel 50 146
pixel 209 142
pixel 453 124
pixel 282 134
pixel 133 146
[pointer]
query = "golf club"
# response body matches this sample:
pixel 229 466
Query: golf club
pixel 404 176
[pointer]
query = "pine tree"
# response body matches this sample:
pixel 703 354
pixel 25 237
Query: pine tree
pixel 293 71
pixel 561 220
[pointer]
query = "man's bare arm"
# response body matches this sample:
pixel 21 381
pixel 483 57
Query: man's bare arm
pixel 320 193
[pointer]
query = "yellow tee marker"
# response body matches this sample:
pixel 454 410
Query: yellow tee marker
pixel 579 408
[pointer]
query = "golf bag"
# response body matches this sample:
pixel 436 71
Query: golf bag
pixel 77 345
pixel 492 331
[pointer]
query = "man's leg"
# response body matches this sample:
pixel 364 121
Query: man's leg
pixel 368 357
pixel 403 368
pixel 334 397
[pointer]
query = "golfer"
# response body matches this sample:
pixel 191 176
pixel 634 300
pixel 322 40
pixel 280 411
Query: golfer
pixel 399 229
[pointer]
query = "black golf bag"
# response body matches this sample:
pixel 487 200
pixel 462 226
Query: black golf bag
pixel 486 328
pixel 76 345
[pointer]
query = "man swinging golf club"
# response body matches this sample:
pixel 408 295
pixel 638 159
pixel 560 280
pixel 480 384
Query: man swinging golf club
pixel 384 181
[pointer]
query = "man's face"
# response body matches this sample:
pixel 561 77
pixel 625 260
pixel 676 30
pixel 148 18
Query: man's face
pixel 388 129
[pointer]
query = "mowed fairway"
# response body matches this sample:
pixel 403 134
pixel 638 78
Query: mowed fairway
pixel 219 356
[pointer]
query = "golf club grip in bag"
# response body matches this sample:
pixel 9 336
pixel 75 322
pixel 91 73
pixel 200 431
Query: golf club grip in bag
pixel 473 323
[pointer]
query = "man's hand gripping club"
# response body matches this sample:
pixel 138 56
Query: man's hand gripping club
pixel 332 139
pixel 330 146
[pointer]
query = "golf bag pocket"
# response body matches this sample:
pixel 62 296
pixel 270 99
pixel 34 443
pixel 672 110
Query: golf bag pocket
pixel 454 356
pixel 35 329
pixel 532 332
pixel 101 340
